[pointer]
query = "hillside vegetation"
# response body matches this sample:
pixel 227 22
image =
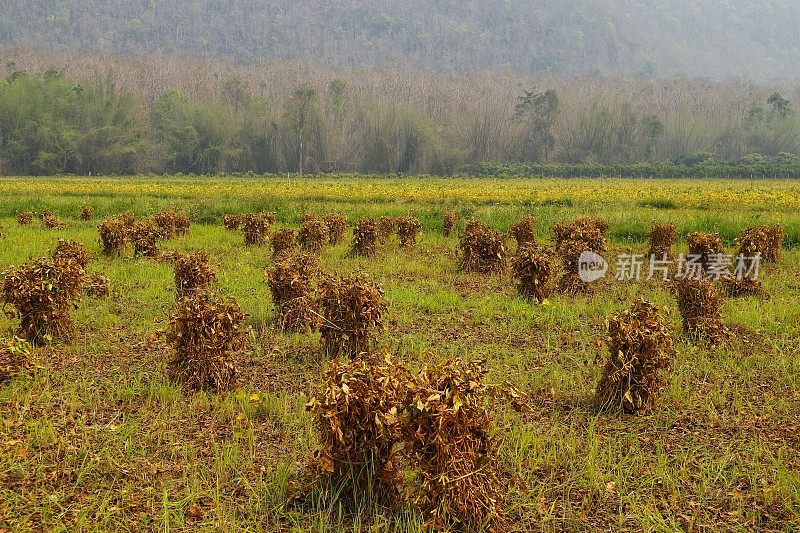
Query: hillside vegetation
pixel 572 37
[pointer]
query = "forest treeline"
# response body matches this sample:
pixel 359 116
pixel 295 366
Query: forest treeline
pixel 123 117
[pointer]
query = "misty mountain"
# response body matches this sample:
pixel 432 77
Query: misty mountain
pixel 715 38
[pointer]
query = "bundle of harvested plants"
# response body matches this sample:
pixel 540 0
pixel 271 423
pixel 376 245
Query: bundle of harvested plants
pixel 700 307
pixel 447 435
pixel 533 270
pixel 67 250
pixel 115 233
pixel 256 228
pixel 86 213
pixel 744 286
pixel 291 285
pixel 51 221
pixel 407 229
pixel 483 248
pixel 205 332
pixel 662 237
pixel 41 292
pixel 283 242
pixel 170 223
pixel 313 235
pixel 570 252
pixel 589 231
pixel 232 222
pixel 352 311
pixel 14 358
pixel 524 231
pixel 182 224
pixel 192 273
pixel 705 246
pixel 95 286
pixel 144 237
pixel 763 240
pixel 639 348
pixel 365 238
pixel 356 417
pixel 337 225
pixel 386 226
pixel 24 218
pixel 449 223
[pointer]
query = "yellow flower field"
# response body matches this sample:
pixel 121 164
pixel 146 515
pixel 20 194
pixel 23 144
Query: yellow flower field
pixel 773 195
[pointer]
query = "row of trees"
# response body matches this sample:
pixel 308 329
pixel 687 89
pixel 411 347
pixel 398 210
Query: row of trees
pixel 50 124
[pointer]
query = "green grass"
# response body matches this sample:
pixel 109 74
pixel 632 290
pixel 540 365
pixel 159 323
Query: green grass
pixel 97 438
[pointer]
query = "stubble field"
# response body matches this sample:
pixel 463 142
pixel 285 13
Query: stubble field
pixel 94 435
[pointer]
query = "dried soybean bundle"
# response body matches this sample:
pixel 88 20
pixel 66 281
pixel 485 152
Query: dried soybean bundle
pixel 589 231
pixel 570 252
pixel 352 314
pixel 524 231
pixel 50 220
pixel 96 286
pixel 533 271
pixel 171 224
pixel 232 222
pixel 42 292
pixel 24 218
pixel 639 345
pixel 662 237
pixel 256 228
pixel 291 284
pixel 192 273
pixel 736 287
pixel 205 333
pixel 67 250
pixel 282 242
pixel 447 434
pixel 407 229
pixel 365 238
pixel 483 249
pixel 705 246
pixel 144 237
pixel 115 233
pixel 763 240
pixel 700 307
pixel 448 223
pixel 313 235
pixel 386 226
pixel 356 416
pixel 86 213
pixel 337 225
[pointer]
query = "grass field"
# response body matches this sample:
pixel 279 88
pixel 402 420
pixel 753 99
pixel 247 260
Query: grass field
pixel 97 437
